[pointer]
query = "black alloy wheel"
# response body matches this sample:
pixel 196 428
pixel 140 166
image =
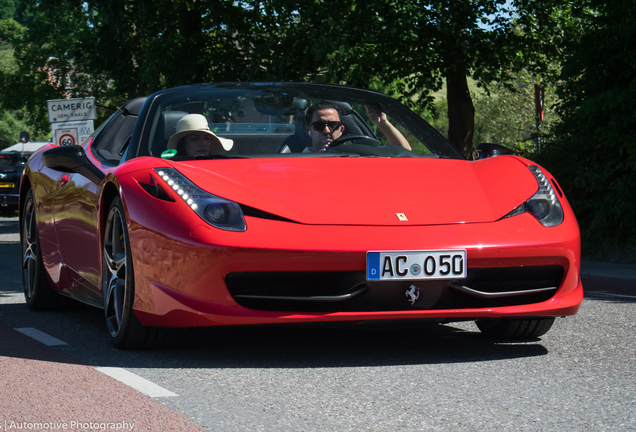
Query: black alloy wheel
pixel 125 330
pixel 38 293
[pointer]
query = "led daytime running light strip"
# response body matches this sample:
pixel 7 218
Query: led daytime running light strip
pixel 545 187
pixel 186 190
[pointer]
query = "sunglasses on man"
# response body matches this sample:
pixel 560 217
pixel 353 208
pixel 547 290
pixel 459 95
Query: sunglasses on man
pixel 319 126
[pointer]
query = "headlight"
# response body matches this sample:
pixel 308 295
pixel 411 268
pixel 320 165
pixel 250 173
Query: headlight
pixel 544 205
pixel 216 211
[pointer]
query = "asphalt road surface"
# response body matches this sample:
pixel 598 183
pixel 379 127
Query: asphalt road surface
pixel 58 370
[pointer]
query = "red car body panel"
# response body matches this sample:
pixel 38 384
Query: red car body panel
pixel 202 304
pixel 309 191
pixel 180 261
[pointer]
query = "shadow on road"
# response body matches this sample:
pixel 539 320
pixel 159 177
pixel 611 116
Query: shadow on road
pixel 289 346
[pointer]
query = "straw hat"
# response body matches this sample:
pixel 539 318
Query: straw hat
pixel 195 123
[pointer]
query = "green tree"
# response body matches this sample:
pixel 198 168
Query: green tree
pixel 11 124
pixel 11 120
pixel 504 115
pixel 507 115
pixel 119 49
pixel 7 9
pixel 10 30
pixel 424 44
pixel 593 150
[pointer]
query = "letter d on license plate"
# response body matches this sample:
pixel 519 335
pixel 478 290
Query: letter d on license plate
pixel 414 265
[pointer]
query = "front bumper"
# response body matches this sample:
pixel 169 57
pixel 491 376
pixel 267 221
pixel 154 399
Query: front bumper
pixel 184 274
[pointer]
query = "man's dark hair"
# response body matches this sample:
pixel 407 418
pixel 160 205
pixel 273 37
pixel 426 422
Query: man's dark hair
pixel 321 106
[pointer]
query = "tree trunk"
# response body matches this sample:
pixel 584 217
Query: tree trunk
pixel 461 114
pixel 190 27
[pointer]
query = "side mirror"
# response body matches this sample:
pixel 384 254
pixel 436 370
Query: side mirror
pixel 72 159
pixel 486 150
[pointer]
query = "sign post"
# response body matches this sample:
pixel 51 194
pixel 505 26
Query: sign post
pixel 71 119
pixel 539 94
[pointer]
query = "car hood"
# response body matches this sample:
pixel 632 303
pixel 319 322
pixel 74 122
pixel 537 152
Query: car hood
pixel 369 191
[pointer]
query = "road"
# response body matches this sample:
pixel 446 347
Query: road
pixel 579 376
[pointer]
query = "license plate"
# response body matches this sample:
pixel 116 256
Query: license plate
pixel 9 185
pixel 416 265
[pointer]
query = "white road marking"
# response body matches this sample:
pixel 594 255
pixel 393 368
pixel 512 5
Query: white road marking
pixel 12 297
pixel 135 381
pixel 130 379
pixel 39 336
pixel 10 238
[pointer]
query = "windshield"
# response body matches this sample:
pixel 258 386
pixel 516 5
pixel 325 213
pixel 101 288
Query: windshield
pixel 284 120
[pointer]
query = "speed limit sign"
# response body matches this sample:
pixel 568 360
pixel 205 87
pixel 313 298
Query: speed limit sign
pixel 66 136
pixel 67 139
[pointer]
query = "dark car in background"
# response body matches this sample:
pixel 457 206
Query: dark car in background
pixel 11 166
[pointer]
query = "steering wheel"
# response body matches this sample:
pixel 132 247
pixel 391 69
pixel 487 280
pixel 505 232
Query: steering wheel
pixel 347 138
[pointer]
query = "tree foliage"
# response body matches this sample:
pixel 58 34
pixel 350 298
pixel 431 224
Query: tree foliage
pixel 422 44
pixel 117 49
pixel 507 115
pixel 593 150
pixel 11 120
pixel 7 9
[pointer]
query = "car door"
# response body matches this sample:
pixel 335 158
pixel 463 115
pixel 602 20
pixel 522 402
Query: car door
pixel 75 210
pixel 76 203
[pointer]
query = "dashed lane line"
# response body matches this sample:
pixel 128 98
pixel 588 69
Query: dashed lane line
pixel 135 381
pixel 130 379
pixel 40 336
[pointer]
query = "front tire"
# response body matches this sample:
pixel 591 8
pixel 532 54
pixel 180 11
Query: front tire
pixel 508 329
pixel 38 293
pixel 118 284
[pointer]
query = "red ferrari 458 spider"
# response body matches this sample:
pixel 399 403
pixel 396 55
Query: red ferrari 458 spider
pixel 269 203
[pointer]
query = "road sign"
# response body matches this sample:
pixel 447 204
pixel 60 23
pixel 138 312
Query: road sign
pixel 79 129
pixel 63 110
pixel 66 136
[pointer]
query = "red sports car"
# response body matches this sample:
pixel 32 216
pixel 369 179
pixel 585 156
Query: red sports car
pixel 235 204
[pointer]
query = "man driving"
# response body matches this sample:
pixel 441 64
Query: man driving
pixel 324 126
pixel 323 120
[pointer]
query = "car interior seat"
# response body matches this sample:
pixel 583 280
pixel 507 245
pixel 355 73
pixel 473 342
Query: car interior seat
pixel 166 127
pixel 297 142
